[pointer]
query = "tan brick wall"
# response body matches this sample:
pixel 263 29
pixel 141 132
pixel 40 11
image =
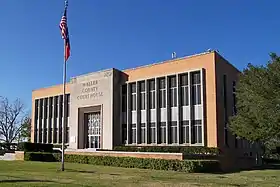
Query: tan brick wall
pixel 166 156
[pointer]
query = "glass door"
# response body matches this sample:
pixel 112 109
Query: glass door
pixel 94 129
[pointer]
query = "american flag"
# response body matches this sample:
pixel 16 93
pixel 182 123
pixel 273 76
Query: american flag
pixel 64 32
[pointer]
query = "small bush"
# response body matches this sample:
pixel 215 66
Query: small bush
pixel 38 156
pixel 37 147
pixel 130 162
pixel 187 150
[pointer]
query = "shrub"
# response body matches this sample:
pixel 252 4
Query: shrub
pixel 130 162
pixel 37 147
pixel 38 156
pixel 188 150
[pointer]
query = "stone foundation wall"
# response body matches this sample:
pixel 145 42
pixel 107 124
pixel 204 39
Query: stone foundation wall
pixel 19 155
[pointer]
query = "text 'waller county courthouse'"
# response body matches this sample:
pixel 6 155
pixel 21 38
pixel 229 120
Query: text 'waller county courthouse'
pixel 183 101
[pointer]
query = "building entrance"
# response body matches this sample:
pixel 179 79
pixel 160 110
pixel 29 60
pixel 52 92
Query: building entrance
pixel 93 124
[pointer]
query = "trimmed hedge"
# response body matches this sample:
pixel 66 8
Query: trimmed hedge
pixel 129 162
pixel 40 156
pixel 188 150
pixel 37 147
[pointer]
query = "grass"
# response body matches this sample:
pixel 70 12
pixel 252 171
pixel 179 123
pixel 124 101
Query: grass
pixel 19 173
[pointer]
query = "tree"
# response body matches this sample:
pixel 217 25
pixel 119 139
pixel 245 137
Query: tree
pixel 258 103
pixel 12 116
pixel 25 132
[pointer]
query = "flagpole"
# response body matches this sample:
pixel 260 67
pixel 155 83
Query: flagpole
pixel 64 108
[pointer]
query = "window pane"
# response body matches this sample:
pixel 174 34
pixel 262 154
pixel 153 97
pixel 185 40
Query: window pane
pixel 142 86
pixel 55 106
pixel 124 133
pixel 151 85
pixel 124 89
pixel 152 136
pixel 40 108
pixel 162 132
pixel 162 99
pixel 173 134
pixel 133 107
pixel 50 107
pixel 133 133
pixel 124 103
pixel 196 78
pixel 172 82
pixel 60 106
pixel 133 88
pixel 142 98
pixel 152 99
pixel 185 96
pixel 198 94
pixel 184 80
pixel 197 131
pixel 36 109
pixel 185 131
pixel 143 133
pixel 162 83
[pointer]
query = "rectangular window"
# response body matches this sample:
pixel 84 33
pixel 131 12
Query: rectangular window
pixel 55 135
pixel 60 135
pixel 143 133
pixel 225 110
pixel 68 105
pixel 50 107
pixel 50 134
pixel 234 97
pixel 196 88
pixel 142 95
pixel 133 129
pixel 152 133
pixel 162 132
pixel 124 133
pixel 55 106
pixel 40 136
pixel 162 93
pixel 173 91
pixel 184 90
pixel 36 135
pixel 152 94
pixel 60 106
pixel 124 98
pixel 197 131
pixel 40 108
pixel 133 96
pixel 45 108
pixel 36 120
pixel 45 135
pixel 173 132
pixel 67 135
pixel 36 109
pixel 185 133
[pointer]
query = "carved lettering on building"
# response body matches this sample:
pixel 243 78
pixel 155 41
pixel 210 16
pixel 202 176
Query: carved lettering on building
pixel 90 90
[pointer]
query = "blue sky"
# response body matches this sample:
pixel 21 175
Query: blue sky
pixel 126 33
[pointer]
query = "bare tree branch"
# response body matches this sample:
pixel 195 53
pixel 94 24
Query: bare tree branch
pixel 12 116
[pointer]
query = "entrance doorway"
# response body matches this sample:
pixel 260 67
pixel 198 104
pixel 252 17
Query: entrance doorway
pixel 93 124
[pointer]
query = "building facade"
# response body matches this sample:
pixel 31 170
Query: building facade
pixel 184 101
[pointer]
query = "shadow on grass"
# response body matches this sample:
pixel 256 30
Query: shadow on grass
pixel 23 180
pixel 78 171
pixel 258 168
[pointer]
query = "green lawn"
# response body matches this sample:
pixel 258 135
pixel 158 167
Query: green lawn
pixel 17 173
